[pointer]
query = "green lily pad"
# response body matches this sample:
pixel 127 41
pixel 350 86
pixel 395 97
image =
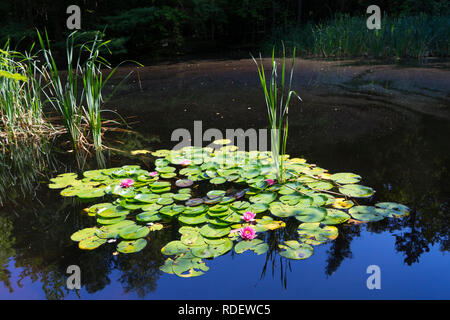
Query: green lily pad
pixel 281 210
pixel 314 233
pixel 131 246
pixel 112 212
pixel 258 207
pixel 294 250
pixel 193 220
pixel 182 196
pixel 147 197
pixel 320 185
pixel 134 232
pixel 174 248
pixel 335 216
pixel 83 234
pixel 218 180
pixel 213 250
pixel 393 209
pixel 264 197
pixel 311 214
pixel 367 213
pixel 256 245
pixel 345 178
pixel 356 191
pixel 148 216
pixel 240 205
pixel 108 221
pixel 91 243
pixel 210 231
pixel 189 267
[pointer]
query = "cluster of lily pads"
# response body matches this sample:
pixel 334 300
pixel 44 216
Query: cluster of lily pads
pixel 242 203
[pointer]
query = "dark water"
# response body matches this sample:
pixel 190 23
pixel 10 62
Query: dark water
pixel 404 156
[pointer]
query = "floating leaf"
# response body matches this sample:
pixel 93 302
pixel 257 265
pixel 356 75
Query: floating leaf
pixel 256 245
pixel 367 213
pixel 83 234
pixel 183 183
pixel 393 209
pixel 267 223
pixel 148 216
pixel 131 246
pixel 264 197
pixel 311 214
pixel 193 220
pixel 133 232
pixel 345 178
pixel 174 248
pixel 335 216
pixel 211 231
pixel 91 243
pixel 356 190
pixel 314 233
pixel 212 250
pixel 294 250
pixel 342 203
pixel 189 267
pixel 193 202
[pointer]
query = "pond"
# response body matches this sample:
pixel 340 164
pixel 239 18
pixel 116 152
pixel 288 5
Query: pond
pixel 399 150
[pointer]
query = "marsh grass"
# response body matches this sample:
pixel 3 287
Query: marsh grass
pixel 21 104
pixel 345 36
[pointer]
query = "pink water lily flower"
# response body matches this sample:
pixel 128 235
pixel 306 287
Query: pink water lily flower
pixel 247 233
pixel 153 174
pixel 126 183
pixel 185 162
pixel 249 216
pixel 270 181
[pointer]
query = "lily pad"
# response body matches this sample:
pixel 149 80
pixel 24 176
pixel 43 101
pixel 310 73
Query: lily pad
pixel 264 197
pixel 148 216
pixel 91 243
pixel 345 178
pixel 367 213
pixel 213 250
pixel 294 250
pixel 311 214
pixel 356 191
pixel 131 246
pixel 314 233
pixel 211 231
pixel 256 245
pixel 83 234
pixel 184 183
pixel 134 232
pixel 193 220
pixel 335 216
pixel 393 209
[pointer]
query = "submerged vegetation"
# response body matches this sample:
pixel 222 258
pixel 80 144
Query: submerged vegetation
pixel 220 198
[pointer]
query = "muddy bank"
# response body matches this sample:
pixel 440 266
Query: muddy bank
pixel 342 100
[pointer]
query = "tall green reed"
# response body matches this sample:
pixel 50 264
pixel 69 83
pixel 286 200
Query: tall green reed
pixel 77 93
pixel 277 102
